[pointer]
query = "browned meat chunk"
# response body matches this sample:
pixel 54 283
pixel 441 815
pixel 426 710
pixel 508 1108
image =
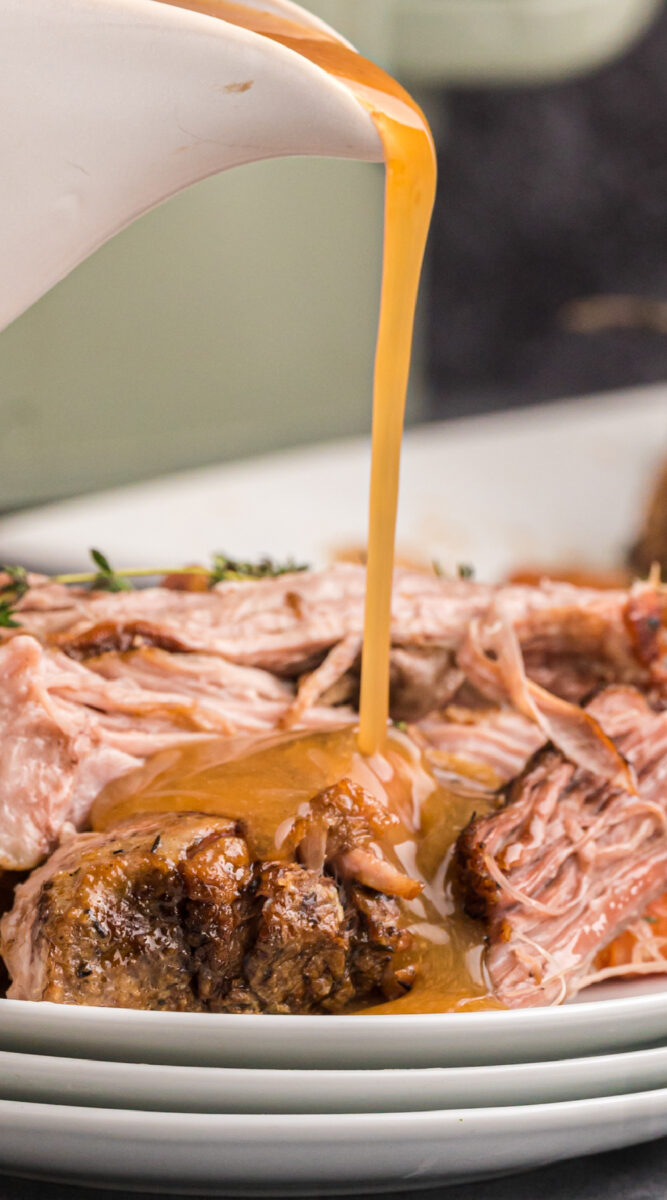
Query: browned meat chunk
pixel 168 912
pixel 338 830
pixel 299 959
pixel 218 912
pixel 373 921
pixel 319 947
pixel 569 860
pixel 108 920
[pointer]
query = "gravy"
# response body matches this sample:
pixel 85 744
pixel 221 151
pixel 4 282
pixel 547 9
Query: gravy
pixel 266 786
pixel 411 172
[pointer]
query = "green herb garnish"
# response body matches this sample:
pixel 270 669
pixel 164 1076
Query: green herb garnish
pixel 7 620
pixel 11 593
pixel 106 579
pixel 225 568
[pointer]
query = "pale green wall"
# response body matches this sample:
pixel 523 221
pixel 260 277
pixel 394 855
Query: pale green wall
pixel 238 317
pixel 241 315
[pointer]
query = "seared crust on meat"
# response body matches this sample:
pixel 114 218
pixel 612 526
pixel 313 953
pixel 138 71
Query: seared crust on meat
pixel 115 923
pixel 376 937
pixel 169 912
pixel 299 960
pixel 219 911
pixel 478 891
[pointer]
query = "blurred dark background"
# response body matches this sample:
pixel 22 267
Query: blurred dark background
pixel 549 249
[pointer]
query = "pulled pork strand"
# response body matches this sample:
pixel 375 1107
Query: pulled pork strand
pixel 569 861
pixel 101 682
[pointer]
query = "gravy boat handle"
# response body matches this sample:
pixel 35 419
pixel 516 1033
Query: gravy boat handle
pixel 111 106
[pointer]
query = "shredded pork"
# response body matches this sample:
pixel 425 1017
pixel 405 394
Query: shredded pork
pixel 570 860
pixel 95 683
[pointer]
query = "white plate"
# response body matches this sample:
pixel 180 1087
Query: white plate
pixel 255 1155
pixel 487 490
pixel 341 1042
pixel 464 488
pixel 87 1082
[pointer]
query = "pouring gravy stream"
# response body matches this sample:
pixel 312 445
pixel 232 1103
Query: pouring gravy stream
pixel 409 196
pixel 265 786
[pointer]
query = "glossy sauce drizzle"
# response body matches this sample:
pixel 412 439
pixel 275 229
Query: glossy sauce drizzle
pixel 409 195
pixel 265 786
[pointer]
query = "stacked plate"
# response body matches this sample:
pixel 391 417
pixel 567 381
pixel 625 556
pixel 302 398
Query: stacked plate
pixel 245 1104
pixel 264 1104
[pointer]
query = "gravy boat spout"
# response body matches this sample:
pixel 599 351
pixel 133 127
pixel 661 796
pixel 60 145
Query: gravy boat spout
pixel 110 106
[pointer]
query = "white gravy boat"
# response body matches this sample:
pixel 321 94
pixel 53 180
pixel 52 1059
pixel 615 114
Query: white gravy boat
pixel 110 106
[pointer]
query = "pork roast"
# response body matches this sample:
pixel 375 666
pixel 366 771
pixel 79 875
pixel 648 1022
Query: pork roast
pixel 95 683
pixel 169 912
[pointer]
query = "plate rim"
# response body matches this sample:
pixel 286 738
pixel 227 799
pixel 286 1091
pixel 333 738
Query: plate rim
pixel 619 1059
pixel 571 1013
pixel 315 1124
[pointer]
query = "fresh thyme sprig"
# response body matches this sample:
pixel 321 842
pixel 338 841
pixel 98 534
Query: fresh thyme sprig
pixel 126 573
pixel 7 620
pixel 225 568
pixel 222 569
pixel 11 593
pixel 106 579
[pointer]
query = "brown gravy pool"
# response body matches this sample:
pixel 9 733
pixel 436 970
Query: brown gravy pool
pixel 265 786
